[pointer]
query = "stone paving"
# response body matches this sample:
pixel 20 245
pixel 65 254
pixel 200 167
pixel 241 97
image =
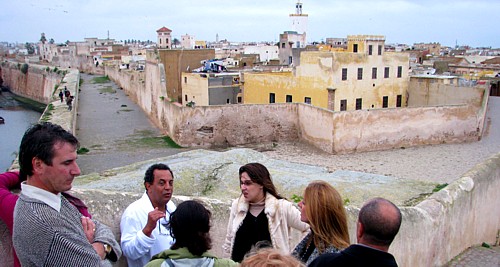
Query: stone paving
pixel 477 257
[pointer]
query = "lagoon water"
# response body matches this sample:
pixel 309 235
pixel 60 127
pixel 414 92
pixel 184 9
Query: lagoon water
pixel 17 120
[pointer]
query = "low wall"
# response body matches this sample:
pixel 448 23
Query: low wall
pixel 370 130
pixel 463 214
pixel 433 93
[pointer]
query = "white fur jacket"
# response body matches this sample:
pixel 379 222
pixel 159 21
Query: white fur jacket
pixel 281 214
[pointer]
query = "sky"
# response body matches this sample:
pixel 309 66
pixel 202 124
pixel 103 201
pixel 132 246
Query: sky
pixel 472 22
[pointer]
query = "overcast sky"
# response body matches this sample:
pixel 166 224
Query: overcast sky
pixel 472 22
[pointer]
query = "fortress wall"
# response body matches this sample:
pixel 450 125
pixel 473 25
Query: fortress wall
pixel 83 63
pixel 369 130
pixel 432 93
pixel 316 127
pixel 333 132
pixel 464 214
pixel 207 126
pixel 37 84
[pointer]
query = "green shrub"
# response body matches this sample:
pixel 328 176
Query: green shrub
pixel 82 150
pixel 24 68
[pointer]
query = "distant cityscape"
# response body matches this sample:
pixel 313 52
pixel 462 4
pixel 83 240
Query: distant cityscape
pixel 246 72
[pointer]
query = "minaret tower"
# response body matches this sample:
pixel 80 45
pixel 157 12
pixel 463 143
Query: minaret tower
pixel 299 20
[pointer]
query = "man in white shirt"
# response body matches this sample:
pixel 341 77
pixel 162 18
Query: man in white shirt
pixel 48 229
pixel 144 224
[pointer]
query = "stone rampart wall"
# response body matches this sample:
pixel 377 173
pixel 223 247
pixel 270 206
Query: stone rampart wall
pixel 333 132
pixel 370 130
pixel 83 63
pixel 37 84
pixel 463 214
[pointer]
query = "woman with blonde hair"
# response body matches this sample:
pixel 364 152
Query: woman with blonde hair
pixel 323 209
pixel 270 257
pixel 260 214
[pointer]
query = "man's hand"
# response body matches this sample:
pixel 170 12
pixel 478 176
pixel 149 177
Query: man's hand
pixel 153 218
pixel 88 228
pixel 99 248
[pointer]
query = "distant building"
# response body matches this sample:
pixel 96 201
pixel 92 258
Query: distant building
pixel 265 52
pixel 187 41
pixel 337 42
pixel 177 61
pixel 433 48
pixel 364 77
pixel 299 20
pixel 164 38
pixel 290 45
pixel 206 89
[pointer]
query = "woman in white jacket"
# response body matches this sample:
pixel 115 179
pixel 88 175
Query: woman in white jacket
pixel 259 214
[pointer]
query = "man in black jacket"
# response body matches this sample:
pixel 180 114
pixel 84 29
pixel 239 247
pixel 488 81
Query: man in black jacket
pixel 378 223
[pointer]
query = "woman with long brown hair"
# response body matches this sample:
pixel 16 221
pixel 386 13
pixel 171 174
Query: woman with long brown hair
pixel 323 209
pixel 259 214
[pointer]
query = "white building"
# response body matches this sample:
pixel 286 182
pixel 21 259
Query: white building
pixel 265 52
pixel 299 20
pixel 187 41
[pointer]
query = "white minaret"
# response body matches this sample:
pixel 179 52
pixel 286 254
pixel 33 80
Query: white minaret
pixel 299 20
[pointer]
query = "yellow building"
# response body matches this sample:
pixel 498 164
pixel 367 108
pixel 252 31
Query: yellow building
pixel 364 77
pixel 206 89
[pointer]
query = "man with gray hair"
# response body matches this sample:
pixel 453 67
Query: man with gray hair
pixel 378 223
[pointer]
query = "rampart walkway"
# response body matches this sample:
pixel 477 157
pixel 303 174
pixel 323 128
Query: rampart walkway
pixel 114 129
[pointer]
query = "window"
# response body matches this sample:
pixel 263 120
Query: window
pixel 360 73
pixel 290 60
pixel 370 50
pixel 239 99
pixel 227 101
pixel 386 72
pixel 185 97
pixel 344 74
pixel 398 100
pixel 307 100
pixel 379 50
pixel 374 73
pixel 343 105
pixel 185 79
pixel 355 48
pixel 400 71
pixel 289 98
pixel 272 98
pixel 282 45
pixel 385 101
pixel 359 103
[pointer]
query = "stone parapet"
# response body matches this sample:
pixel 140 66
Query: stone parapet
pixel 463 214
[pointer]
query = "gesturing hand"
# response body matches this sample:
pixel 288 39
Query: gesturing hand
pixel 153 218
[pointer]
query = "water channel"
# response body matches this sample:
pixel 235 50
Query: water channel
pixel 17 119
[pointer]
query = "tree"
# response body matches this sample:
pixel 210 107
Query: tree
pixel 176 42
pixel 51 41
pixel 30 48
pixel 43 39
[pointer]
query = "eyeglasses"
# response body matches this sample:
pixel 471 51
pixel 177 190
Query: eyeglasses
pixel 162 223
